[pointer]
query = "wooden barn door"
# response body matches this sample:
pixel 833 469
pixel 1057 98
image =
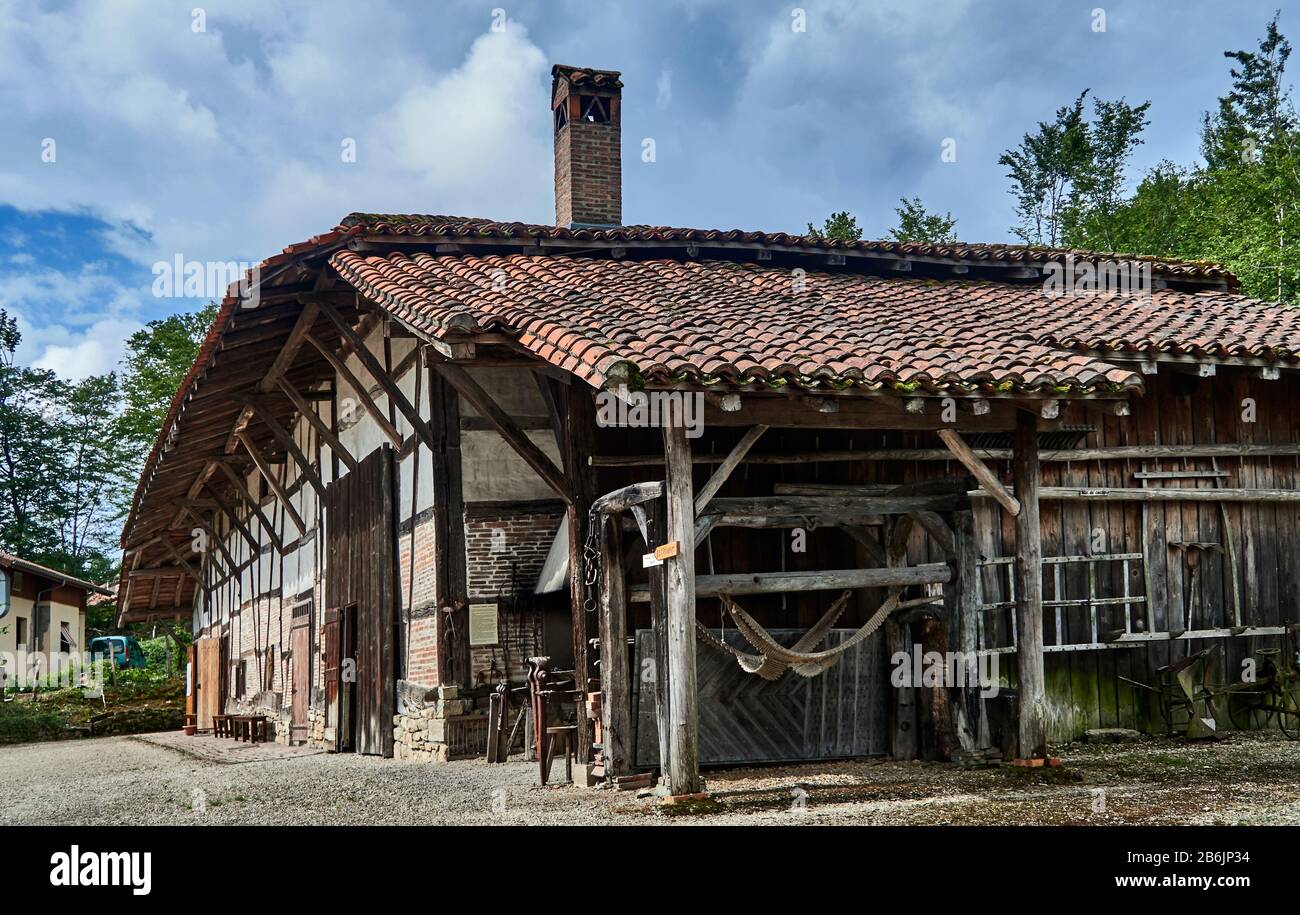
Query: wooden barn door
pixel 362 577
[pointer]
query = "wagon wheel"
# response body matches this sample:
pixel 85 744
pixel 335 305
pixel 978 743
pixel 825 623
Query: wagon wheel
pixel 1288 716
pixel 1244 711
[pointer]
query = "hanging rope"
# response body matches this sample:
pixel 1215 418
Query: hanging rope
pixel 774 659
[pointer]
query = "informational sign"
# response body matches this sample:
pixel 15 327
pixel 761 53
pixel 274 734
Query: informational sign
pixel 483 625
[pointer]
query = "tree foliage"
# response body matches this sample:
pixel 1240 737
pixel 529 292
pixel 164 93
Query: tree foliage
pixel 918 225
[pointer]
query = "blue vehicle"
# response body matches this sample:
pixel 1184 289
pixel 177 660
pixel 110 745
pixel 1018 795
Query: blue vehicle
pixel 124 650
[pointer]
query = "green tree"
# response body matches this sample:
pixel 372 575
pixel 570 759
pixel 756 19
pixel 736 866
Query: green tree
pixel 917 225
pixel 1249 207
pixel 156 361
pixel 59 463
pixel 837 227
pixel 1068 176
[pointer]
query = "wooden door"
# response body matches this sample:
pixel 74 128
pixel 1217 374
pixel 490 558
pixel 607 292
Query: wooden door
pixel 361 577
pixel 745 719
pixel 208 682
pixel 191 678
pixel 300 645
pixel 331 674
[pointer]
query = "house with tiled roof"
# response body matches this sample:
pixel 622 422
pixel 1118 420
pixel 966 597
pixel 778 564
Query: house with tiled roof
pixel 666 499
pixel 42 621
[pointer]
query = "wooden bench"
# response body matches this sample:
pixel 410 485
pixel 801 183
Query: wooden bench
pixel 221 726
pixel 252 728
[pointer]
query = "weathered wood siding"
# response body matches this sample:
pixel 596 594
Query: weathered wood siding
pixel 361 569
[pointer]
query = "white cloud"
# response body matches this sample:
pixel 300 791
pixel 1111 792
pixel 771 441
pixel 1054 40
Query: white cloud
pixel 93 350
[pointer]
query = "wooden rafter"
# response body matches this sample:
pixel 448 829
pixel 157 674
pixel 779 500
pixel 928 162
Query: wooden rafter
pixel 729 464
pixel 235 521
pixel 181 561
pixel 272 480
pixel 378 415
pixel 193 513
pixel 377 372
pixel 505 426
pixel 322 429
pixel 987 478
pixel 301 330
pixel 285 438
pixel 241 489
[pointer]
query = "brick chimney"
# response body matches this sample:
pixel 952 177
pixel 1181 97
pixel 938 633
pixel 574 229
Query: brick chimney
pixel 588 169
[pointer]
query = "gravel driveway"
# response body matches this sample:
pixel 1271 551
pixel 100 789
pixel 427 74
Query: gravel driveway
pixel 1242 779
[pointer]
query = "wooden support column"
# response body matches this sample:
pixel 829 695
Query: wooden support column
pixel 654 524
pixel 962 617
pixel 1029 591
pixel 448 519
pixel 578 409
pixel 615 684
pixel 679 572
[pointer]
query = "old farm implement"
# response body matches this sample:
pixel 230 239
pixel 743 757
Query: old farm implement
pixel 1267 695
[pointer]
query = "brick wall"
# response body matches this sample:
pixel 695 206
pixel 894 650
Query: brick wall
pixel 505 549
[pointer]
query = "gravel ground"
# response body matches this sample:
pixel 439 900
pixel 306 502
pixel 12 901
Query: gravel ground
pixel 1250 779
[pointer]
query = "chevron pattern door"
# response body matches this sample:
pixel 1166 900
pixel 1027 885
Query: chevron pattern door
pixel 746 719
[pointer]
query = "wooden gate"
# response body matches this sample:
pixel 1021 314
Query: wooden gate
pixel 361 570
pixel 746 719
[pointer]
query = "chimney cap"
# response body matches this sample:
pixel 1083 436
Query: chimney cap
pixel 578 76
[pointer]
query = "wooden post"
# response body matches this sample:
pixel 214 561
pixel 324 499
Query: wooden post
pixel 578 409
pixel 616 702
pixel 1029 590
pixel 962 612
pixel 448 519
pixel 656 526
pixel 679 571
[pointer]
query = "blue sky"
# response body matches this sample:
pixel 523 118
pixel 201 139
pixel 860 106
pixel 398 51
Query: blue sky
pixel 219 137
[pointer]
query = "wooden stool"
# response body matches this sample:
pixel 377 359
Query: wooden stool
pixel 220 725
pixel 564 734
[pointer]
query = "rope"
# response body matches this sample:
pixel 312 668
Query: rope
pixel 775 659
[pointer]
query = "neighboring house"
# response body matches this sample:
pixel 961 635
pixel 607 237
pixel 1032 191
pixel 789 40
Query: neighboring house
pixel 396 445
pixel 46 622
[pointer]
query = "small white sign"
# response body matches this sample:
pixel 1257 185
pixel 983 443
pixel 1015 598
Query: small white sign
pixel 483 625
pixel 649 560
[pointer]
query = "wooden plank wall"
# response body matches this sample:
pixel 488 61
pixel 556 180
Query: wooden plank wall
pixel 1084 689
pixel 361 569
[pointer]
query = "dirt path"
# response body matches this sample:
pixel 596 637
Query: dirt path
pixel 1241 779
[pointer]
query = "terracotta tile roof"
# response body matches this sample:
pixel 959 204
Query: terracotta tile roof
pixel 454 228
pixel 582 76
pixel 711 321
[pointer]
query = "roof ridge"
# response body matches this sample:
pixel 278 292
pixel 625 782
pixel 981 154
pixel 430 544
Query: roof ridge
pixel 444 225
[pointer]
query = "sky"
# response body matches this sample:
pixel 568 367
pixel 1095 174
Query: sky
pixel 136 133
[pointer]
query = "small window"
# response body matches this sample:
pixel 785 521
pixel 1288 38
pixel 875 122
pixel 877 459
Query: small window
pixel 20 628
pixel 594 109
pixel 67 643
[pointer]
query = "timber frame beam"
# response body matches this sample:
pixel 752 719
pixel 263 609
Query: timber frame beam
pixel 987 478
pixel 506 427
pixel 380 375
